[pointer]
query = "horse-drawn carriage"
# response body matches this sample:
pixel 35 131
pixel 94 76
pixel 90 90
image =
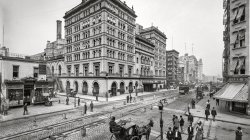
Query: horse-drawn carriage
pixel 128 130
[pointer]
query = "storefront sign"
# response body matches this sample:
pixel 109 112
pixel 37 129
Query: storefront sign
pixel 238 79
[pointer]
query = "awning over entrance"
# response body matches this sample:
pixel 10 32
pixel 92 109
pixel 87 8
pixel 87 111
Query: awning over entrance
pixel 233 92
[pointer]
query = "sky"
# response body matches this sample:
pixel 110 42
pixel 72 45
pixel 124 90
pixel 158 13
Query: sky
pixel 28 24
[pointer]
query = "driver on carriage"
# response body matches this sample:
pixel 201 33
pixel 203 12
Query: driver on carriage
pixel 115 128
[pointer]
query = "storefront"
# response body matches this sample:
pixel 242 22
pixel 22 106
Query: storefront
pixel 14 93
pixel 234 95
pixel 41 87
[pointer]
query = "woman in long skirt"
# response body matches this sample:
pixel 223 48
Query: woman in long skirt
pixel 199 133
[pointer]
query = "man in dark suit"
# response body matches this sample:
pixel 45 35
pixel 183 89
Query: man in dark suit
pixel 207 113
pixel 169 134
pixel 177 135
pixel 190 130
pixel 190 118
pixel 214 113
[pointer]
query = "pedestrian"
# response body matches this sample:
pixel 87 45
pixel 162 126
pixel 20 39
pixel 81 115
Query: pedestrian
pixel 207 113
pixel 193 103
pixel 127 99
pixel 169 134
pixel 214 113
pixel 25 109
pixel 79 100
pixel 96 96
pixel 217 102
pixel 160 105
pixel 91 106
pixel 130 98
pixel 190 118
pixel 181 123
pixel 238 134
pixel 208 104
pixel 190 130
pixel 176 123
pixel 67 100
pixel 85 108
pixel 188 108
pixel 177 134
pixel 173 120
pixel 107 96
pixel 199 131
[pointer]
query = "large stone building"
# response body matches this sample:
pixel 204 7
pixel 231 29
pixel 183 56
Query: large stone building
pixel 100 49
pixel 158 38
pixel 200 71
pixel 172 67
pixel 235 94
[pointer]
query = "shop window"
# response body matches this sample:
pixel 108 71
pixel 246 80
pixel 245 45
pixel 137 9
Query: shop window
pixel 15 71
pixel 35 72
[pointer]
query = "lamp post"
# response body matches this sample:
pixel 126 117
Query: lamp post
pixel 136 85
pixel 161 121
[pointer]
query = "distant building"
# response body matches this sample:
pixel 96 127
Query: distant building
pixel 192 68
pixel 54 48
pixel 172 60
pixel 235 94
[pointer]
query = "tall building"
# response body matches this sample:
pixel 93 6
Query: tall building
pixel 158 38
pixel 53 49
pixel 100 48
pixel 172 60
pixel 144 65
pixel 200 70
pixel 191 68
pixel 234 95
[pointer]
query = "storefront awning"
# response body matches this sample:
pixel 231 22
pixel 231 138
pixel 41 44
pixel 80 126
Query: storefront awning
pixel 242 96
pixel 229 91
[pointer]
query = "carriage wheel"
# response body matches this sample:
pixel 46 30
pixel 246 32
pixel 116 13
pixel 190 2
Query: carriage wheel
pixel 112 137
pixel 135 138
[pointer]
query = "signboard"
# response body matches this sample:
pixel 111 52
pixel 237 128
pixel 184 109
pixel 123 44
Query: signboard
pixel 42 69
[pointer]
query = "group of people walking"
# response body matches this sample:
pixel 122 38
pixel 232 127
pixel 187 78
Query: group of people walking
pixel 207 111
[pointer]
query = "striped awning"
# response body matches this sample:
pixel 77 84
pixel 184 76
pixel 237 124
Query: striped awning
pixel 231 92
pixel 242 96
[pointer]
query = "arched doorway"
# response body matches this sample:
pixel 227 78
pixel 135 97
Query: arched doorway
pixel 68 87
pixel 59 70
pixel 76 86
pixel 122 88
pixel 113 89
pixel 85 88
pixel 95 89
pixel 130 87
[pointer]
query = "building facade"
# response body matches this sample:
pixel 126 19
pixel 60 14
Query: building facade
pixel 200 71
pixel 172 60
pixel 144 65
pixel 100 49
pixel 158 38
pixel 191 68
pixel 22 81
pixel 235 94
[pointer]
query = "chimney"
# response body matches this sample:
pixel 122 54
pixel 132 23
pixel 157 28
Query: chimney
pixel 58 29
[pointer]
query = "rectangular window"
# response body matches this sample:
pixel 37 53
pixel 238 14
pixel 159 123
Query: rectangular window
pixel 129 71
pixel 36 72
pixel 69 70
pixel 15 71
pixel 111 69
pixel 121 70
pixel 76 70
pixel 97 70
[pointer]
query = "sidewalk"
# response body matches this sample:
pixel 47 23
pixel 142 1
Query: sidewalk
pixel 36 110
pixel 223 116
pixel 114 98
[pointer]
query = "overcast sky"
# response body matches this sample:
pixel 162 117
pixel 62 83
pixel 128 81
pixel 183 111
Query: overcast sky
pixel 30 23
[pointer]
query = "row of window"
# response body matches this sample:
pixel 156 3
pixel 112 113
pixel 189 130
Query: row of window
pixel 121 35
pixel 111 30
pixel 97 41
pixel 130 58
pixel 130 39
pixel 130 48
pixel 239 14
pixel 110 53
pixel 16 74
pixel 240 39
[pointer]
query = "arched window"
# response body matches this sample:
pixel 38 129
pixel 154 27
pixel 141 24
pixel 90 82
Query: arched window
pixel 59 70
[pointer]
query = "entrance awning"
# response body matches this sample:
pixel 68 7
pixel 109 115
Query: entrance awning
pixel 242 96
pixel 231 92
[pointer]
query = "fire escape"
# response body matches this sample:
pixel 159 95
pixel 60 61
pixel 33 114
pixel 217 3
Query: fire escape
pixel 226 39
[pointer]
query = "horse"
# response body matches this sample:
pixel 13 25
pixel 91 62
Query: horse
pixel 145 130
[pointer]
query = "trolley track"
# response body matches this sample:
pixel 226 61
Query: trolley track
pixel 83 118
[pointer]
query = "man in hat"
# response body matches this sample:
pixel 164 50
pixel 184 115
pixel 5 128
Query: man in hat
pixel 91 106
pixel 79 100
pixel 214 113
pixel 207 113
pixel 169 134
pixel 238 134
pixel 85 108
pixel 177 134
pixel 190 118
pixel 190 130
pixel 181 123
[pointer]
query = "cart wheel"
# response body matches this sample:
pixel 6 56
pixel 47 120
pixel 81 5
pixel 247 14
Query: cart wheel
pixel 135 138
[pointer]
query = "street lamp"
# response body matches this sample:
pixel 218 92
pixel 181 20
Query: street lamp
pixel 136 85
pixel 161 121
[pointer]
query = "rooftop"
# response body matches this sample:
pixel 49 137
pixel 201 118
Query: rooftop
pixel 153 28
